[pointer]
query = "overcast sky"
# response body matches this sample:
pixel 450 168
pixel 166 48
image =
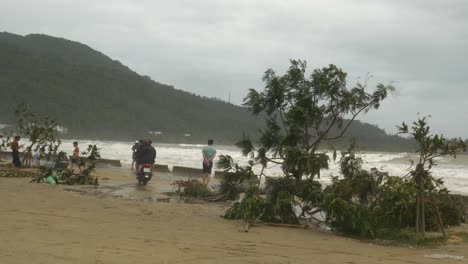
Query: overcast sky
pixel 215 47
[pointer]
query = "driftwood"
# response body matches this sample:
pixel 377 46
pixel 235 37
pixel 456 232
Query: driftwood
pixel 247 225
pixel 286 225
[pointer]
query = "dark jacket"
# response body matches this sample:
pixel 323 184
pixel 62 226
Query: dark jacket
pixel 146 154
pixel 135 148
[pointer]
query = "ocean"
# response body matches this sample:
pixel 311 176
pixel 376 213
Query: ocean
pixel 453 171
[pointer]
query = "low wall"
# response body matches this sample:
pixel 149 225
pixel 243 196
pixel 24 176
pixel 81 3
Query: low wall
pixel 161 168
pixel 103 162
pixel 108 162
pixel 186 171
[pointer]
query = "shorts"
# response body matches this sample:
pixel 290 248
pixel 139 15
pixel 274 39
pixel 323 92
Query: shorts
pixel 207 168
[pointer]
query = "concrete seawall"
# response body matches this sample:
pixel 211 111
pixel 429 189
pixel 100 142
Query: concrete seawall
pixel 161 168
pixel 186 171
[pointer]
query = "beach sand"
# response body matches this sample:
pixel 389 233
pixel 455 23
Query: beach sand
pixel 40 223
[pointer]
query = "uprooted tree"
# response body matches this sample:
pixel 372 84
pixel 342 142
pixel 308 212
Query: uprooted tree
pixel 304 114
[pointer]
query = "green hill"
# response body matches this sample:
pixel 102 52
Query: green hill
pixel 97 97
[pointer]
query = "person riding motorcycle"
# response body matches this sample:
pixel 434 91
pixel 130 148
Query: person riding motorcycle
pixel 135 148
pixel 145 154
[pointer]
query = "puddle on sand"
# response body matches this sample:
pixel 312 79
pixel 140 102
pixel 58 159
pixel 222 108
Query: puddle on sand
pixel 159 189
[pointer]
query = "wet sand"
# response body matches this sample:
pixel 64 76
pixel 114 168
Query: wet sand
pixel 40 223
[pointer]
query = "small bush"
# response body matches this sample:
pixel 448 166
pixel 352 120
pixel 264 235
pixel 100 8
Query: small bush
pixel 196 189
pixel 366 203
pixel 191 188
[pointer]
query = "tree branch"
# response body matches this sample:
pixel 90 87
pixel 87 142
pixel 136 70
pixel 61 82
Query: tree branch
pixel 349 123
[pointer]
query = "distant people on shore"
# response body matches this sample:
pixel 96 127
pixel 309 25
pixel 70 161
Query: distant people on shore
pixel 135 149
pixel 15 147
pixel 75 160
pixel 209 153
pixel 146 153
pixel 28 157
pixel 38 155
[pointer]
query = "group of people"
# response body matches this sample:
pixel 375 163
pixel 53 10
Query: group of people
pixel 144 152
pixel 39 154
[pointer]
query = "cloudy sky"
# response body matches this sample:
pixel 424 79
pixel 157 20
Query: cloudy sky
pixel 216 47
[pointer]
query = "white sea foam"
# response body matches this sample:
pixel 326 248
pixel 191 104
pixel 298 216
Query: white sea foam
pixel 453 171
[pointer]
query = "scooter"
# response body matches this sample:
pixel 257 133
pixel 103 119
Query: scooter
pixel 144 174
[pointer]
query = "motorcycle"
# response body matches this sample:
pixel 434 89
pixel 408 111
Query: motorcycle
pixel 144 175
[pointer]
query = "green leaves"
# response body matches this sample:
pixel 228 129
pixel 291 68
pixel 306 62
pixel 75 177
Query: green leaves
pixel 300 163
pixel 236 178
pixel 254 101
pixel 249 209
pixel 431 146
pixel 403 129
pixel 41 132
pixel 312 107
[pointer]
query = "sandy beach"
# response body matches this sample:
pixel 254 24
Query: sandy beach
pixel 40 223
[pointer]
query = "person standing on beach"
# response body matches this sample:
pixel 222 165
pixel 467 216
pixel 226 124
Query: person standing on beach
pixel 38 155
pixel 209 153
pixel 76 156
pixel 15 146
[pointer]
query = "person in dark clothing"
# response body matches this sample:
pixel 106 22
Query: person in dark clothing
pixel 146 154
pixel 135 148
pixel 15 146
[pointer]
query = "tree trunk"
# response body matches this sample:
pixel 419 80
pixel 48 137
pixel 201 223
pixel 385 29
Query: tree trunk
pixel 439 219
pixel 423 216
pixel 417 214
pixel 28 156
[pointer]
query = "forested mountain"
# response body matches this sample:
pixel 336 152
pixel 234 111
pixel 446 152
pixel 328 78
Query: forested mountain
pixel 97 97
